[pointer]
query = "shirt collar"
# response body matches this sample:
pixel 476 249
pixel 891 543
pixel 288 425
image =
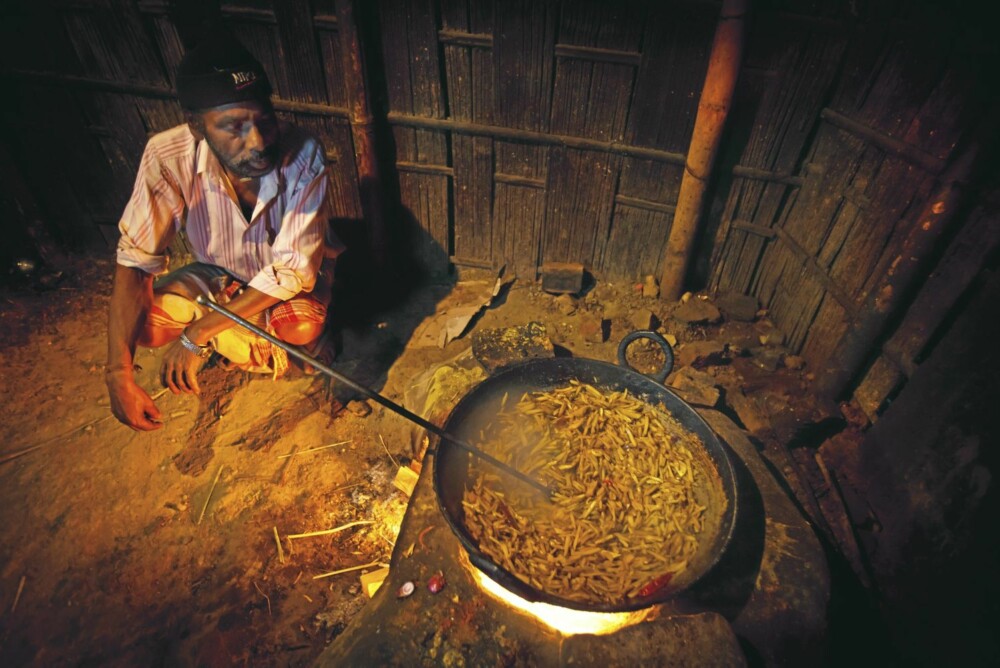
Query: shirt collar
pixel 209 164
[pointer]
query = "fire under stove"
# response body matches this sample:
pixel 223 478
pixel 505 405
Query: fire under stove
pixel 765 602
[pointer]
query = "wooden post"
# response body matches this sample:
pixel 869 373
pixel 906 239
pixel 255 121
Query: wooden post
pixel 362 130
pixel 889 294
pixel 716 96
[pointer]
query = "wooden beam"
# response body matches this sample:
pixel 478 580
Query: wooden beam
pixel 539 138
pixel 900 149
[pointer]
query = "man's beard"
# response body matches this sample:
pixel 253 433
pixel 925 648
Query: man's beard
pixel 244 168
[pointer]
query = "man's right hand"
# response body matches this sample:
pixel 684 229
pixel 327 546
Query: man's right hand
pixel 130 403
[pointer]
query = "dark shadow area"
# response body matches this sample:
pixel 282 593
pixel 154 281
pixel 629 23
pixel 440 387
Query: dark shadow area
pixel 727 587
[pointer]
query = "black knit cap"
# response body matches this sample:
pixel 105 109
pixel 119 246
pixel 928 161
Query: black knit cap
pixel 218 71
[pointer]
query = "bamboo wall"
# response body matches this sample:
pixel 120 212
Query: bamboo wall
pixel 527 131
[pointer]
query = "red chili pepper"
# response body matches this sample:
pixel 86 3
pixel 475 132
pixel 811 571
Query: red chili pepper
pixel 656 585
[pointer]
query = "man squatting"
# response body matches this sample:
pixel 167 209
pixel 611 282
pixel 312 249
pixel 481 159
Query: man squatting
pixel 249 193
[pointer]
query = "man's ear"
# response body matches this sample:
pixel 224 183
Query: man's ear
pixel 196 124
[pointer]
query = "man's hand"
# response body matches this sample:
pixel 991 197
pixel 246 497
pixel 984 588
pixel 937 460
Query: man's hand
pixel 130 403
pixel 180 368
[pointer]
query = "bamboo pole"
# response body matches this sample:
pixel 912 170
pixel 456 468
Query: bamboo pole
pixel 716 96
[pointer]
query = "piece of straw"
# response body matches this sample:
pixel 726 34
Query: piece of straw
pixel 395 464
pixel 345 570
pixel 277 541
pixel 329 531
pixel 266 598
pixel 322 447
pixel 11 456
pixel 210 492
pixel 17 596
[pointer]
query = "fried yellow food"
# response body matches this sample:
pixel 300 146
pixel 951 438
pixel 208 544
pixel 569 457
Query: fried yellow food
pixel 628 500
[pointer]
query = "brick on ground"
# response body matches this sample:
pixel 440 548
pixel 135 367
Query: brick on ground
pixel 562 277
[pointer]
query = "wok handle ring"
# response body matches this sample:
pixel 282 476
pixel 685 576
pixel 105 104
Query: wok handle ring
pixel 656 338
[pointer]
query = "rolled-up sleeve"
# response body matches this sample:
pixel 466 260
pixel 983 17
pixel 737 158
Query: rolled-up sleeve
pixel 298 247
pixel 149 221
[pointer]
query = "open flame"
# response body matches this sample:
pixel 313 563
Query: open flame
pixel 564 620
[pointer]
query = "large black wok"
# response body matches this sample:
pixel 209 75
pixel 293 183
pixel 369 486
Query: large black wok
pixel 478 407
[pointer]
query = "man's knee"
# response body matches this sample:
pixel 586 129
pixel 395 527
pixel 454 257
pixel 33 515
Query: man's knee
pixel 299 333
pixel 153 336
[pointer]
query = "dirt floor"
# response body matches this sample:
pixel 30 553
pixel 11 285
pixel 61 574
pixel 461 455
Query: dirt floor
pixel 125 548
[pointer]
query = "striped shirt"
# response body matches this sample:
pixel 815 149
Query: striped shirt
pixel 182 185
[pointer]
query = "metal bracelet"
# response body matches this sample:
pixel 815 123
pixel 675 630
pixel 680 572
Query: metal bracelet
pixel 200 351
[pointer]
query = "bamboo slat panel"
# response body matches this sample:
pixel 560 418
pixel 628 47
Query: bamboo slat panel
pixel 779 111
pixel 518 214
pixel 577 218
pixel 670 76
pixel 299 54
pixel 425 198
pixel 635 243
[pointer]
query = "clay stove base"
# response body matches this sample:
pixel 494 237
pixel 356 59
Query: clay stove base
pixel 765 602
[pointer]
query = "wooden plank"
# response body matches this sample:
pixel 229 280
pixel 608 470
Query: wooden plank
pixel 882 379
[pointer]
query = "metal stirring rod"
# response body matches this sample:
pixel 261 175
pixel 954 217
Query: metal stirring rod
pixel 375 396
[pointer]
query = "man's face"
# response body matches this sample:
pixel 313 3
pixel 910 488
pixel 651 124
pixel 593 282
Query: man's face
pixel 243 136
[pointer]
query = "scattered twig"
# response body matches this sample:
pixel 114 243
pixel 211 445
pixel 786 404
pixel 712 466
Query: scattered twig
pixel 345 570
pixel 210 492
pixel 329 531
pixel 10 456
pixel 340 489
pixel 306 597
pixel 17 596
pixel 322 447
pixel 277 541
pixel 297 577
pixel 395 464
pixel 266 598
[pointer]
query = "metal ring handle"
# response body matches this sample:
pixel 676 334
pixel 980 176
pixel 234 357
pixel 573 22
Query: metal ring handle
pixel 656 338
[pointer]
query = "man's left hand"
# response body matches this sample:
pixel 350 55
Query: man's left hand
pixel 179 370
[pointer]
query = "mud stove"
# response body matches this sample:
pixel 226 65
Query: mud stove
pixel 764 603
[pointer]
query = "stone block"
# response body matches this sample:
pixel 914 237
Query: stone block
pixel 593 329
pixel 738 307
pixel 643 319
pixel 700 354
pixel 698 312
pixel 562 277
